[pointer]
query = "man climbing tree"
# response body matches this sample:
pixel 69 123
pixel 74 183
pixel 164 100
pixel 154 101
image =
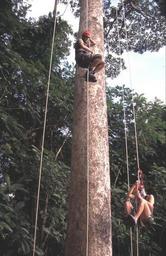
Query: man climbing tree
pixel 89 215
pixel 85 57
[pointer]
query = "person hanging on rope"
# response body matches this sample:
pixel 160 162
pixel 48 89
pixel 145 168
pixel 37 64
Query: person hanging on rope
pixel 85 58
pixel 144 202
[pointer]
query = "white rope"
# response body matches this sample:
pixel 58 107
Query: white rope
pixel 125 132
pixel 136 140
pixel 44 129
pixel 124 108
pixel 165 76
pixel 63 13
pixel 88 189
pixel 126 140
pixel 135 127
pixel 127 165
pixel 131 86
pixel 87 173
pixel 87 98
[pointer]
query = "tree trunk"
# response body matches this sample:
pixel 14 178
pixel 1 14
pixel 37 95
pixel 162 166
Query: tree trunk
pixel 89 220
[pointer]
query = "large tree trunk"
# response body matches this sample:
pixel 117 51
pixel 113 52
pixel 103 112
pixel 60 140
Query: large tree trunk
pixel 89 220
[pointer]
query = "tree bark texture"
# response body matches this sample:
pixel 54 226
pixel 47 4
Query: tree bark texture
pixel 89 219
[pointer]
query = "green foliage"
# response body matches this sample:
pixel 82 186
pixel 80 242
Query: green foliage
pixel 151 127
pixel 135 25
pixel 24 61
pixel 140 29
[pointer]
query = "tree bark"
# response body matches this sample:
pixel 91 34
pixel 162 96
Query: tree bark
pixel 89 219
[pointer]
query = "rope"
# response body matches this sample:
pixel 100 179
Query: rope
pixel 124 112
pixel 126 141
pixel 87 98
pixel 135 126
pixel 131 86
pixel 136 140
pixel 127 166
pixel 63 13
pixel 138 167
pixel 88 189
pixel 126 137
pixel 165 74
pixel 44 129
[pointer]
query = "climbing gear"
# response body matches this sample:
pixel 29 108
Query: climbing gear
pixel 132 220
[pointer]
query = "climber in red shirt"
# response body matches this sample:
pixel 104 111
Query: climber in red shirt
pixel 85 58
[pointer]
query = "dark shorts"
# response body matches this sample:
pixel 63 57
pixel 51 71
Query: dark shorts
pixel 84 59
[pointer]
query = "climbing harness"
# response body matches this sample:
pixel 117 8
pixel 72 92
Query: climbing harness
pixel 44 128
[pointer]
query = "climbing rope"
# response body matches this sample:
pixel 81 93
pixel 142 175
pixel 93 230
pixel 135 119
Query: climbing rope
pixel 88 189
pixel 87 178
pixel 127 164
pixel 165 75
pixel 63 13
pixel 136 139
pixel 44 128
pixel 131 86
pixel 126 140
pixel 134 114
pixel 125 132
pixel 124 107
